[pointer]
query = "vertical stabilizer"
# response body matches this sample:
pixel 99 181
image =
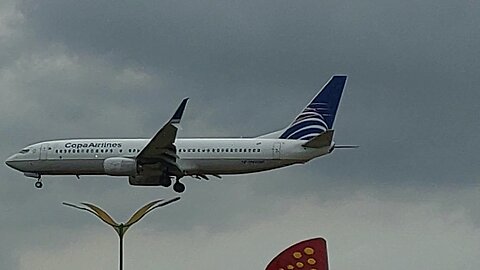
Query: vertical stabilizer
pixel 308 254
pixel 319 115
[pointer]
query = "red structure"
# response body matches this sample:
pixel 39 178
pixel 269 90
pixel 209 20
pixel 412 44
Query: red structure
pixel 307 255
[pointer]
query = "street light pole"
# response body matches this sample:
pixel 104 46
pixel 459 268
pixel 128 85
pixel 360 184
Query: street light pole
pixel 122 228
pixel 121 234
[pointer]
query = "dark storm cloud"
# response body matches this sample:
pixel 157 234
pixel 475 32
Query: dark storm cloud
pixel 116 68
pixel 406 65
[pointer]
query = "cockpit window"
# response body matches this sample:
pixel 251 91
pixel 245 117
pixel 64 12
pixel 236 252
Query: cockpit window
pixel 24 151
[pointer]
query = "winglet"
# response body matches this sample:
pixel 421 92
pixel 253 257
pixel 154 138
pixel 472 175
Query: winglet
pixel 177 116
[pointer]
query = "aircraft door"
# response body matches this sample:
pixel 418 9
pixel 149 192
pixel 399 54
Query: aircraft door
pixel 43 151
pixel 276 150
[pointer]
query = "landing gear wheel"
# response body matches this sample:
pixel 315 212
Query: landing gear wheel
pixel 38 184
pixel 165 182
pixel 179 187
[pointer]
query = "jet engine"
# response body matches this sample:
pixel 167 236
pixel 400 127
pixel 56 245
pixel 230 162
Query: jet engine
pixel 120 166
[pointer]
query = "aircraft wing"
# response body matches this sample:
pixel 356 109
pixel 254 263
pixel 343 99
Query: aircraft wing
pixel 161 149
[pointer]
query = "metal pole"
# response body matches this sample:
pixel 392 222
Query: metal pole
pixel 120 234
pixel 121 252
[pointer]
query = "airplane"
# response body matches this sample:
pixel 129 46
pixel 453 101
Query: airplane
pixel 164 158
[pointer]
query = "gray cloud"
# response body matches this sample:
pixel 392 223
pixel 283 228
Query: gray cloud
pixel 363 232
pixel 118 69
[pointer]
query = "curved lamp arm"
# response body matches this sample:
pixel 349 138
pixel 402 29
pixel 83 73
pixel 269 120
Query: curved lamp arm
pixel 107 219
pixel 147 209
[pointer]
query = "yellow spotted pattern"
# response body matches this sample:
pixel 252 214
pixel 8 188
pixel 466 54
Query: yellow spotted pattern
pixel 308 251
pixel 298 255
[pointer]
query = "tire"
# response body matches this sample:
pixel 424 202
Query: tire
pixel 38 184
pixel 179 187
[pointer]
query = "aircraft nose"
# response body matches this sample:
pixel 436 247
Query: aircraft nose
pixel 9 162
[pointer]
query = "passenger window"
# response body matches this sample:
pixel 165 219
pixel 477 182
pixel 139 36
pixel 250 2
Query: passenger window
pixel 86 150
pixel 96 150
pixel 121 150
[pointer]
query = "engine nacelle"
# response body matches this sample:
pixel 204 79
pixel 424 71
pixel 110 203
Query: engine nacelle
pixel 120 166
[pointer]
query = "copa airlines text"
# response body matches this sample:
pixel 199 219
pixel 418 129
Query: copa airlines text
pixel 163 158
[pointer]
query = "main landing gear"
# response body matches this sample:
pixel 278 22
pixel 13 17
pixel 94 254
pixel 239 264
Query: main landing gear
pixel 166 181
pixel 178 187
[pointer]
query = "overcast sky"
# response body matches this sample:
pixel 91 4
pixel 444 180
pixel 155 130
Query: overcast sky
pixel 407 199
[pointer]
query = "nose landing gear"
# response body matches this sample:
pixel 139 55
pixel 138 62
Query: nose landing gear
pixel 39 183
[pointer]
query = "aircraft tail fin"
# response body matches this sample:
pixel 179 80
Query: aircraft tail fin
pixel 319 114
pixel 308 254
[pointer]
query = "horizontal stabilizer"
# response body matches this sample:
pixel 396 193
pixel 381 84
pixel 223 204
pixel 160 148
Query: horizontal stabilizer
pixel 322 140
pixel 346 146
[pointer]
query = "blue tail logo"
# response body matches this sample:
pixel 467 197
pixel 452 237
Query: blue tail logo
pixel 319 114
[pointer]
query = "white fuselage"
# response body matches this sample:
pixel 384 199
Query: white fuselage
pixel 195 156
